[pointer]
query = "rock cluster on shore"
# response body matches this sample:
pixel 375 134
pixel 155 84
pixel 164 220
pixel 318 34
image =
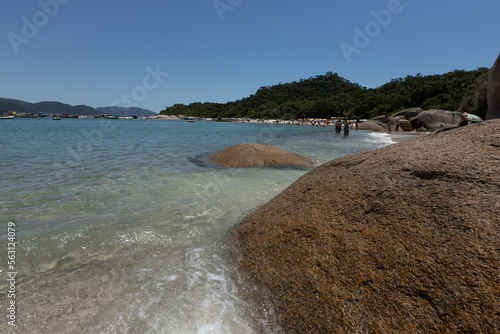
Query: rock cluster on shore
pixel 402 239
pixel 413 118
pixel 257 155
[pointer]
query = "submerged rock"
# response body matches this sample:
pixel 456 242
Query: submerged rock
pixel 257 155
pixel 384 242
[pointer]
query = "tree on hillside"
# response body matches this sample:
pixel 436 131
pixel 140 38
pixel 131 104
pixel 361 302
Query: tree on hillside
pixel 330 95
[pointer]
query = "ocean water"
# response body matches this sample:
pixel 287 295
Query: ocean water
pixel 119 229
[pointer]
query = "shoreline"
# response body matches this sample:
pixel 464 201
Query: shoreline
pixel 310 122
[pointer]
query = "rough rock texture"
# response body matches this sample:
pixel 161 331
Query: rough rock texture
pixel 435 119
pixel 405 125
pixel 370 125
pixel 384 242
pixel 383 119
pixel 257 155
pixel 379 123
pixel 408 113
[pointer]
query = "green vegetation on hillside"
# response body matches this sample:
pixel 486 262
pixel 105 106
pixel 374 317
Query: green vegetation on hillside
pixel 329 95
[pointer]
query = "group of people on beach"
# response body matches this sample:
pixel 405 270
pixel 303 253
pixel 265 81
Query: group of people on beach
pixel 347 124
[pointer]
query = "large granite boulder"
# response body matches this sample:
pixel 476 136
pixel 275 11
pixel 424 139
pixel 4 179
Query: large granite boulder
pixel 408 113
pixel 257 155
pixel 435 119
pixel 383 119
pixel 375 126
pixel 380 123
pixel 384 242
pixel 404 124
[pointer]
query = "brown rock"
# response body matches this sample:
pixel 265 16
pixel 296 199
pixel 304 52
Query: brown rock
pixel 375 126
pixel 257 155
pixel 408 113
pixel 384 242
pixel 405 125
pixel 380 123
pixel 383 119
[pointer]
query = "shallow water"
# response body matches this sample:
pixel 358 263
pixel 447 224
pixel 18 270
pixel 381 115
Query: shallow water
pixel 119 230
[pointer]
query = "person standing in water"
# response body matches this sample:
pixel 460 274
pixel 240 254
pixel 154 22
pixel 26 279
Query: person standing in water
pixel 493 93
pixel 338 127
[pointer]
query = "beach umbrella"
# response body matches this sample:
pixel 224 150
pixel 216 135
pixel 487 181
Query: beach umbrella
pixel 473 118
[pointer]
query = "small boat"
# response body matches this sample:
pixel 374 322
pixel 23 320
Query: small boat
pixel 56 118
pixel 7 117
pixel 190 121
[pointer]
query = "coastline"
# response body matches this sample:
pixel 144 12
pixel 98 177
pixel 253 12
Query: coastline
pixel 373 241
pixel 117 220
pixel 396 137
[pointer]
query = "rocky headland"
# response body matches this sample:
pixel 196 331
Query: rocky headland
pixel 402 239
pixel 257 155
pixel 413 118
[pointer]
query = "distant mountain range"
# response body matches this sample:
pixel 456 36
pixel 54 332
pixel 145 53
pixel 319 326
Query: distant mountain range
pixel 52 107
pixel 124 112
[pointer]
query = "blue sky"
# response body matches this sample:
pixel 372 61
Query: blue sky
pixel 155 53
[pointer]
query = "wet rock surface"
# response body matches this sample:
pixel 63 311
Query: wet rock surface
pixel 384 242
pixel 257 155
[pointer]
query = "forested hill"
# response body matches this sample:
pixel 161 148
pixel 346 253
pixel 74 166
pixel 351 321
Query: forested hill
pixel 330 95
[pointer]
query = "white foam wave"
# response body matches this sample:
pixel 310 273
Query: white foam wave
pixel 197 295
pixel 379 138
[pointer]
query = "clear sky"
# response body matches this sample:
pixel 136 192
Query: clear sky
pixel 155 53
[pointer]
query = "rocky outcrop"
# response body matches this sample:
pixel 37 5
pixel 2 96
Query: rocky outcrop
pixel 404 124
pixel 413 118
pixel 436 119
pixel 408 113
pixel 257 155
pixel 384 242
pixel 375 126
pixel 380 123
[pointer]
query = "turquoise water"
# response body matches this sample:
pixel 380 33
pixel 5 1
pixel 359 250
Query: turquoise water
pixel 119 230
